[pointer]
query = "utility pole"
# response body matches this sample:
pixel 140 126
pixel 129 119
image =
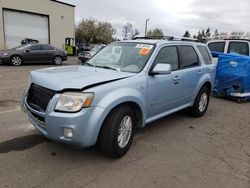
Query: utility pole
pixel 146 27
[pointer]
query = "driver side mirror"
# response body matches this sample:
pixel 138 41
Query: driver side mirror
pixel 28 50
pixel 161 68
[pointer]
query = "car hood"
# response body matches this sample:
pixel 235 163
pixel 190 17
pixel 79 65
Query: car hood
pixel 75 77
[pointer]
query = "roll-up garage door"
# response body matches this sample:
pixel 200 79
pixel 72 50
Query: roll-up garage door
pixel 19 25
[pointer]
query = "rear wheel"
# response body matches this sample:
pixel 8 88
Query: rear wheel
pixel 201 103
pixel 16 60
pixel 117 132
pixel 58 60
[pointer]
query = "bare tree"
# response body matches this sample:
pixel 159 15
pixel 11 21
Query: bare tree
pixel 129 32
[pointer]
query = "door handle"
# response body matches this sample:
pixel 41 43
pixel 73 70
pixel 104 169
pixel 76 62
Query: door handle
pixel 200 72
pixel 176 78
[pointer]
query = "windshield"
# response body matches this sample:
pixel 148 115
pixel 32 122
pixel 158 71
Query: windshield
pixel 21 47
pixel 125 57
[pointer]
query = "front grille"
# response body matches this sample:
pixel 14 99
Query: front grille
pixel 39 97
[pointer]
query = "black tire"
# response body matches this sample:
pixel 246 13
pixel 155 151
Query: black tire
pixel 197 110
pixel 16 60
pixel 109 134
pixel 58 60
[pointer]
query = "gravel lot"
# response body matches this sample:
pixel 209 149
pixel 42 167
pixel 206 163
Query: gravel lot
pixel 176 151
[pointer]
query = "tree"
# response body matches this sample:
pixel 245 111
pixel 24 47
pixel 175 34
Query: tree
pixel 216 33
pixel 156 32
pixel 199 36
pixel 95 31
pixel 203 33
pixel 104 33
pixel 129 32
pixel 187 34
pixel 208 33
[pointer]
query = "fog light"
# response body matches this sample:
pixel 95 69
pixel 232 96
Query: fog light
pixel 68 132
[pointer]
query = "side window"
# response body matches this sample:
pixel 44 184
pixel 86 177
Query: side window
pixel 217 46
pixel 205 54
pixel 239 47
pixel 47 47
pixel 188 57
pixel 168 55
pixel 36 47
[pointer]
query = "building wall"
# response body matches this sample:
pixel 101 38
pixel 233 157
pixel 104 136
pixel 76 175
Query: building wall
pixel 61 18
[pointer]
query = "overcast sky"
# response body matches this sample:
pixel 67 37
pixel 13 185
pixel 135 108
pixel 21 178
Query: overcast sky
pixel 172 16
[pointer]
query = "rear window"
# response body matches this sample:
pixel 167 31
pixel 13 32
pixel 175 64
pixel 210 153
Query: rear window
pixel 188 57
pixel 205 54
pixel 239 47
pixel 217 46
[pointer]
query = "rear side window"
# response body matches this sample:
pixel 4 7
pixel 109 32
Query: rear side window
pixel 217 46
pixel 239 47
pixel 36 47
pixel 205 54
pixel 47 47
pixel 188 56
pixel 168 55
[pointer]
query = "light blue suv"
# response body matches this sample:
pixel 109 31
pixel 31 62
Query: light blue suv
pixel 123 87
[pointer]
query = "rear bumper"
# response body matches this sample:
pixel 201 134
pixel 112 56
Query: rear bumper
pixel 85 124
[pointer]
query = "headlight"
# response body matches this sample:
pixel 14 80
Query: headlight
pixel 74 101
pixel 5 54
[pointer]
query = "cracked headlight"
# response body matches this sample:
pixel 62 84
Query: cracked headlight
pixel 74 101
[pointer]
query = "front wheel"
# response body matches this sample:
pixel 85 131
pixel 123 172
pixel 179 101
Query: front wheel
pixel 16 60
pixel 201 103
pixel 117 132
pixel 58 60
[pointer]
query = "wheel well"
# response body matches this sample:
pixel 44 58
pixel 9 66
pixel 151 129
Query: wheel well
pixel 208 85
pixel 137 111
pixel 57 56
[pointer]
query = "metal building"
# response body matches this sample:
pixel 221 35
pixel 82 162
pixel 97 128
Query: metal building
pixel 48 21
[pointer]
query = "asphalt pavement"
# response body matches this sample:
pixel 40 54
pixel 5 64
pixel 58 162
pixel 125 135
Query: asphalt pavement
pixel 176 151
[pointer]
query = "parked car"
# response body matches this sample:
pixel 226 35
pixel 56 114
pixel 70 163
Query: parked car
pixel 85 55
pixel 32 53
pixel 125 86
pixel 240 46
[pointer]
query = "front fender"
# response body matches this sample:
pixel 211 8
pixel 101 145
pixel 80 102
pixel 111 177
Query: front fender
pixel 109 102
pixel 123 95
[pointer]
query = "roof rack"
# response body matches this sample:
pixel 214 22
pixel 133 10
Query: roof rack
pixel 186 39
pixel 155 37
pixel 169 38
pixel 239 36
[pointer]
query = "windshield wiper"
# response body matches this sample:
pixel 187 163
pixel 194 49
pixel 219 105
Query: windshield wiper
pixel 106 67
pixel 89 64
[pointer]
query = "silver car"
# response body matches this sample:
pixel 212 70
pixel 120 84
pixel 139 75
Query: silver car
pixel 125 86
